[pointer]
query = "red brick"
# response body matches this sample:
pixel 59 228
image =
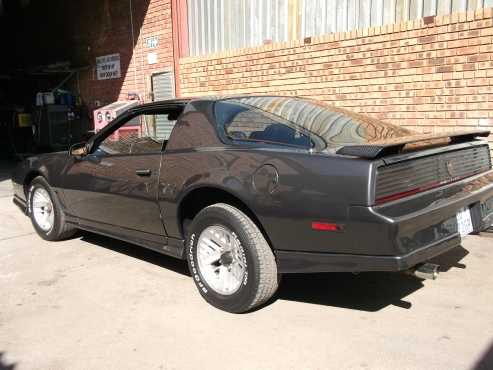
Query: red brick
pixel 468 50
pixel 152 18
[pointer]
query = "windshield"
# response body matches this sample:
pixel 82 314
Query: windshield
pixel 300 122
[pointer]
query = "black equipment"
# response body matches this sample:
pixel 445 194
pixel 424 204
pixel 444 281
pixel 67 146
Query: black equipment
pixel 57 127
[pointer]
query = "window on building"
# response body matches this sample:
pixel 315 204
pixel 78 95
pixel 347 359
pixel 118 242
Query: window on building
pixel 320 17
pixel 219 25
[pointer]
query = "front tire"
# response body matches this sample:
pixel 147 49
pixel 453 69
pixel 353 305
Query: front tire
pixel 46 212
pixel 231 263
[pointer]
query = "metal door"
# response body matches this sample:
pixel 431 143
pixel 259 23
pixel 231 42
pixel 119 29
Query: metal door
pixel 163 88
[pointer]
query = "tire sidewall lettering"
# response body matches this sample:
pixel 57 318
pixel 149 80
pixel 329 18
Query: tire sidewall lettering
pixel 29 199
pixel 244 236
pixel 195 273
pixel 243 258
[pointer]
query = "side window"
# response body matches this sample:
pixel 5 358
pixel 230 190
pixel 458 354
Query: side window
pixel 243 123
pixel 147 133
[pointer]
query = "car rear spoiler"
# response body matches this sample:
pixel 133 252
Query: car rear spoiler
pixel 380 148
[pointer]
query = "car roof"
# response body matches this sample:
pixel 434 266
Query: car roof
pixel 185 101
pixel 164 103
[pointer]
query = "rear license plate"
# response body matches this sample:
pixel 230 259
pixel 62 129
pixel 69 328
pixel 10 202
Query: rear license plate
pixel 464 222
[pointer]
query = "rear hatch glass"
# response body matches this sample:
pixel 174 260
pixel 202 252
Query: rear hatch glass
pixel 300 122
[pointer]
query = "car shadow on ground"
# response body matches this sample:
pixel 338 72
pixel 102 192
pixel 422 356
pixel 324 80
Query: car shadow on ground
pixel 136 251
pixel 4 176
pixel 6 169
pixel 486 360
pixel 370 291
pixel 365 292
pixel 4 365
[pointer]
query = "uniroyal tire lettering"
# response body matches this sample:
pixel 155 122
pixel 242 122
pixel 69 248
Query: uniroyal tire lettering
pixel 29 197
pixel 195 273
pixel 243 258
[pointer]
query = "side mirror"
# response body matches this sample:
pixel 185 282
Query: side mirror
pixel 78 150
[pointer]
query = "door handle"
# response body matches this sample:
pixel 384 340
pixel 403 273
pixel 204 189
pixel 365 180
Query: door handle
pixel 146 172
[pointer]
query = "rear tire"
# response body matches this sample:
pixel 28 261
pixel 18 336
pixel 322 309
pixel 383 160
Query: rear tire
pixel 230 261
pixel 46 213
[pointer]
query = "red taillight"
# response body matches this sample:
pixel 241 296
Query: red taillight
pixel 324 226
pixel 430 186
pixel 404 194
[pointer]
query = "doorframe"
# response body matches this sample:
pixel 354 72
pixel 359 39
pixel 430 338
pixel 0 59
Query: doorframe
pixel 149 86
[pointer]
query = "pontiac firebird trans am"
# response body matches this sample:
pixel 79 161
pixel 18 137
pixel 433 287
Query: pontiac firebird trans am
pixel 248 188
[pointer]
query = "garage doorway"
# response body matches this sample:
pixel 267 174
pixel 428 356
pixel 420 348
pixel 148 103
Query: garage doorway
pixel 163 88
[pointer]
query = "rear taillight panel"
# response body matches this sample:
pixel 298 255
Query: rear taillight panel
pixel 413 176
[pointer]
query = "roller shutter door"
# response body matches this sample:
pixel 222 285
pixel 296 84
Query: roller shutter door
pixel 163 88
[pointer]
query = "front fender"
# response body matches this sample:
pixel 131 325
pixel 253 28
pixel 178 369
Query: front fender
pixel 50 166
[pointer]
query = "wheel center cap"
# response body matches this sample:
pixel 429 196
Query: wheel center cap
pixel 226 258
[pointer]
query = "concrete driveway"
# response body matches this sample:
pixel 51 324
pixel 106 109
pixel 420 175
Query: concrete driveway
pixel 95 303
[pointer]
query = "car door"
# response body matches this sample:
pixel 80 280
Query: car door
pixel 114 188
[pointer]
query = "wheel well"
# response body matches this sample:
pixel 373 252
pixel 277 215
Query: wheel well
pixel 27 180
pixel 201 198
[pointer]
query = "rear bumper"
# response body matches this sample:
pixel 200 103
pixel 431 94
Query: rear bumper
pixel 406 232
pixel 306 262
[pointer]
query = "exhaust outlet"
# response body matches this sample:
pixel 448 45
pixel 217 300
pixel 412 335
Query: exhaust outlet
pixel 427 271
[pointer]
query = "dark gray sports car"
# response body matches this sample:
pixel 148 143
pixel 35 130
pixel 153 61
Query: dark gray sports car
pixel 251 187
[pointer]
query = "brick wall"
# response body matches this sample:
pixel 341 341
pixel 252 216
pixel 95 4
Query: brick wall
pixel 429 75
pixel 104 27
pixel 156 22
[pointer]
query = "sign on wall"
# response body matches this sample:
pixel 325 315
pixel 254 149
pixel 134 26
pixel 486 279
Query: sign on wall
pixel 108 67
pixel 151 58
pixel 151 42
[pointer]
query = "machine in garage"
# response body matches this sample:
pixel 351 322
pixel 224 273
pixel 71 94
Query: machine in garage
pixel 108 113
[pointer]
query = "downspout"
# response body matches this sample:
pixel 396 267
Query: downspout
pixel 180 38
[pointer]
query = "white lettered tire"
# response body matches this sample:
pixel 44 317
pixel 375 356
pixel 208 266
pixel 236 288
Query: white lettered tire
pixel 230 261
